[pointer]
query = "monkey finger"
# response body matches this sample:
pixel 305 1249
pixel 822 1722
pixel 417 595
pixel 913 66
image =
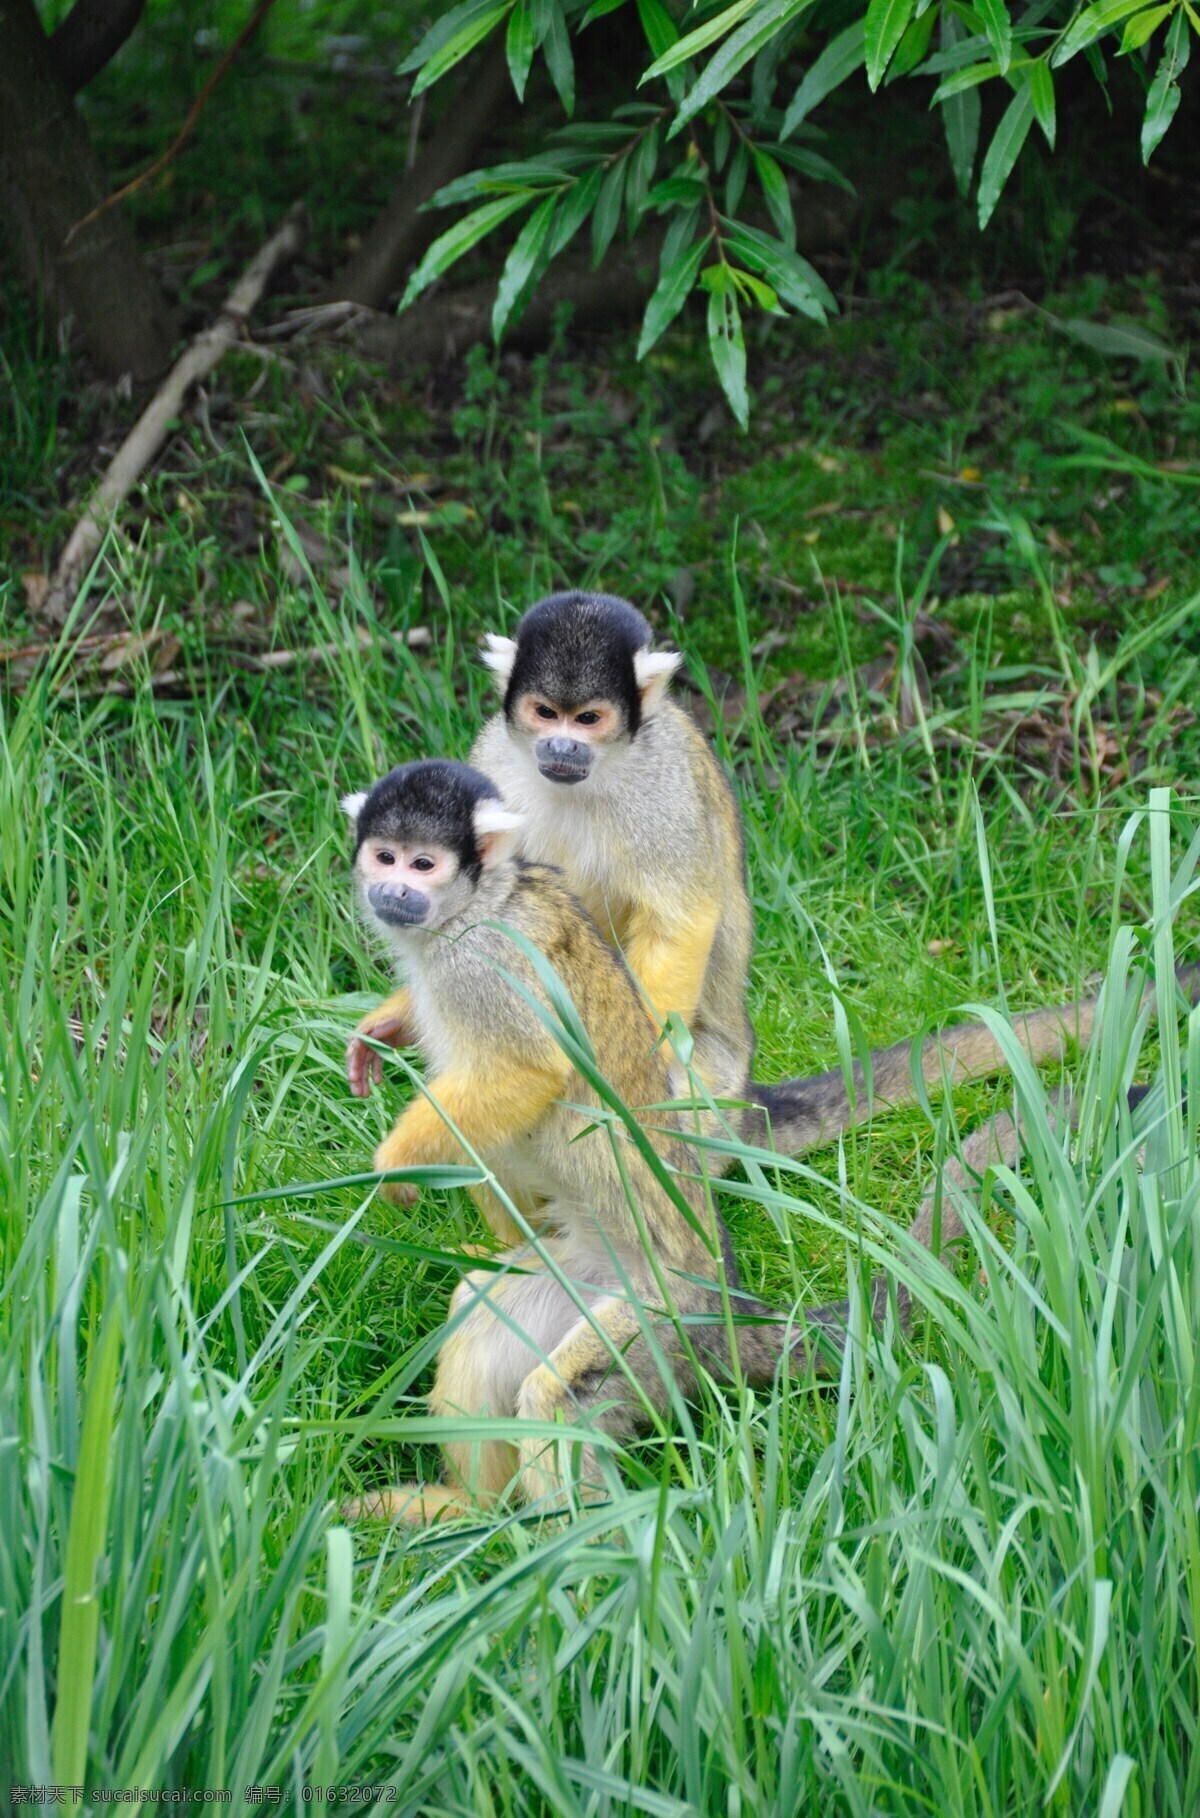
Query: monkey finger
pixel 358 1059
pixel 399 1193
pixel 392 1031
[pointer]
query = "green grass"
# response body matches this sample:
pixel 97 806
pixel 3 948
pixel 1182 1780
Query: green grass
pixel 964 1578
pixel 967 1576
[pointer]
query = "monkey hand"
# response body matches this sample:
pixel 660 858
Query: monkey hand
pixel 386 1024
pixel 391 1154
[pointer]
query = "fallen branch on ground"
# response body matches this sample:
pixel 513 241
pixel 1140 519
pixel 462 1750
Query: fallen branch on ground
pixel 95 663
pixel 150 432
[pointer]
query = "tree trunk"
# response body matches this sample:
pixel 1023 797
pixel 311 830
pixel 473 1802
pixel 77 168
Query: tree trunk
pixel 401 233
pixel 90 37
pixel 50 177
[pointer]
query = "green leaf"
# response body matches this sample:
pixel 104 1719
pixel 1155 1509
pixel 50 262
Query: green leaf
pixel 445 32
pixel 728 348
pixel 661 33
pixel 678 236
pixel 886 23
pixel 608 209
pixel 1091 23
pixel 955 53
pixel 577 205
pixel 1163 98
pixel 735 183
pixel 498 179
pixel 792 276
pixel 776 194
pixel 675 190
pixel 961 113
pixel 737 51
pixel 812 164
pixel 964 79
pixel 1143 26
pixel 1041 93
pixel 722 137
pixel 756 291
pixel 1004 151
pixel 542 13
pixel 519 46
pixel 642 160
pixel 672 292
pixel 518 267
pixel 704 35
pixel 1118 340
pixel 459 239
pixel 914 44
pixel 597 10
pixel 560 60
pixel 80 1608
pixel 837 61
pixel 484 16
pixel 960 118
pixel 998 26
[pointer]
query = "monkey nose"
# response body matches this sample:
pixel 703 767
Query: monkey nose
pixel 398 904
pixel 563 760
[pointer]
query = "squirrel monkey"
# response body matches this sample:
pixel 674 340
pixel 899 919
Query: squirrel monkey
pixel 617 786
pixel 436 866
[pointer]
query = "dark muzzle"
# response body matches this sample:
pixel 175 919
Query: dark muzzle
pixel 563 760
pixel 398 905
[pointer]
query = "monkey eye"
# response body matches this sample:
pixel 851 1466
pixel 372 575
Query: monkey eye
pixel 386 858
pixel 589 718
pixel 424 863
pixel 545 713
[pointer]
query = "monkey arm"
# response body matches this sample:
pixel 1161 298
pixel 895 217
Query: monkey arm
pixel 391 1023
pixel 669 959
pixel 488 1109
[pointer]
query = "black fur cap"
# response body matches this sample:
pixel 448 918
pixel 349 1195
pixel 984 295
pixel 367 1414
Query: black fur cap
pixel 432 800
pixel 573 648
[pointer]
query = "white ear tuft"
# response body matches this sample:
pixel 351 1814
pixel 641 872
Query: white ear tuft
pixel 499 654
pixel 497 831
pixel 490 817
pixel 652 670
pixel 353 804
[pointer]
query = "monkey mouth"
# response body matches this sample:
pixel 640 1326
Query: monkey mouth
pixel 559 771
pixel 398 908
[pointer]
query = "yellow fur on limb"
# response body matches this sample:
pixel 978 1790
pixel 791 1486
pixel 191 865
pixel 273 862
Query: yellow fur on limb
pixel 486 1109
pixel 669 958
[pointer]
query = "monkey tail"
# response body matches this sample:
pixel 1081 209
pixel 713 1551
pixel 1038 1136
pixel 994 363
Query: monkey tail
pixel 819 1334
pixel 801 1114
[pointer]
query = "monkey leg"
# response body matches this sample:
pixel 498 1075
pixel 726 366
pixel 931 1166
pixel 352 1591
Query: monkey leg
pixel 584 1382
pixel 721 1068
pixel 499 1220
pixel 506 1325
pixel 420 1505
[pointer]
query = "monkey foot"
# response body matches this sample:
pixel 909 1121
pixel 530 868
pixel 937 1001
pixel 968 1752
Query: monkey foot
pixel 419 1505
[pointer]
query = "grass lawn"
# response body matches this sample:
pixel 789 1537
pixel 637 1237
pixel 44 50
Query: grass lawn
pixel 939 613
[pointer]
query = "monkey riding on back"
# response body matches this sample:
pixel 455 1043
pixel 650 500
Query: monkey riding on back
pixel 616 785
pixel 581 1324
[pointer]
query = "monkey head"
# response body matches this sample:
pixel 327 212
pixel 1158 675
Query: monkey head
pixel 423 837
pixel 579 679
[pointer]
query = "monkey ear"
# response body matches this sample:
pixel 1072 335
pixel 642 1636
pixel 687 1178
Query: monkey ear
pixel 499 654
pixel 496 831
pixel 353 804
pixel 652 670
